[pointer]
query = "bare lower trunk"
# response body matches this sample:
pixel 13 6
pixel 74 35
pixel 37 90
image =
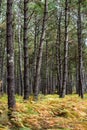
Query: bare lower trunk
pixel 80 65
pixel 58 55
pixel 26 58
pixel 20 53
pixel 1 52
pixel 35 49
pixel 62 94
pixel 10 57
pixel 47 74
pixel 77 80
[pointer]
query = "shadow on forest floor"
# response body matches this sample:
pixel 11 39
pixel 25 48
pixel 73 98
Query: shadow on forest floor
pixel 49 113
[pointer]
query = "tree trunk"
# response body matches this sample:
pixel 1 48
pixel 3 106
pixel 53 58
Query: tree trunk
pixel 58 55
pixel 76 64
pixel 26 58
pixel 0 6
pixel 10 57
pixel 1 58
pixel 35 48
pixel 47 74
pixel 62 94
pixel 20 53
pixel 39 57
pixel 80 65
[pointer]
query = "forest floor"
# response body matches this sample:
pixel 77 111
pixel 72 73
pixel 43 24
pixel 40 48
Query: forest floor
pixel 49 113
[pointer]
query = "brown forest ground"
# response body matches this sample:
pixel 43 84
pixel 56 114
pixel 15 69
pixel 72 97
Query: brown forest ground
pixel 49 113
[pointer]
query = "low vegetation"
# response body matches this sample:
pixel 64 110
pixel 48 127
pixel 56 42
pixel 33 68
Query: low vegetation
pixel 49 112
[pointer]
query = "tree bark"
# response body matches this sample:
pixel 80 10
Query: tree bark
pixel 47 74
pixel 35 48
pixel 10 57
pixel 26 58
pixel 62 94
pixel 0 6
pixel 20 53
pixel 58 55
pixel 80 65
pixel 1 51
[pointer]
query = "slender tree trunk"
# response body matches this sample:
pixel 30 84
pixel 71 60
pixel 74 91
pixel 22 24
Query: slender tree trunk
pixel 5 81
pixel 76 64
pixel 31 80
pixel 80 65
pixel 68 73
pixel 1 46
pixel 0 6
pixel 35 48
pixel 46 89
pixel 62 94
pixel 26 58
pixel 10 57
pixel 58 55
pixel 18 79
pixel 57 63
pixel 3 67
pixel 1 62
pixel 39 57
pixel 15 72
pixel 20 53
pixel 52 71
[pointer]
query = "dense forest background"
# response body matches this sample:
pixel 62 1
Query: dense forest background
pixel 46 41
pixel 43 64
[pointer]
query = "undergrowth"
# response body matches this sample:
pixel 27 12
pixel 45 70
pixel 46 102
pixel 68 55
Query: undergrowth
pixel 49 113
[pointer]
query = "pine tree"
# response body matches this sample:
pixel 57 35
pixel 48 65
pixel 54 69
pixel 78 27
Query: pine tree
pixel 26 58
pixel 80 64
pixel 10 57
